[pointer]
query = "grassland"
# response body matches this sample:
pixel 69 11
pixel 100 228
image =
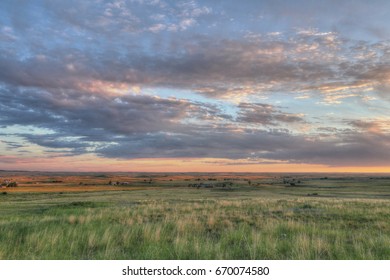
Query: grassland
pixel 157 216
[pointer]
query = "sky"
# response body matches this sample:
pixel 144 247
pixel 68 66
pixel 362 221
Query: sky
pixel 176 86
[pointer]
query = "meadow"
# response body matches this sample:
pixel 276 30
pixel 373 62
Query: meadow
pixel 174 216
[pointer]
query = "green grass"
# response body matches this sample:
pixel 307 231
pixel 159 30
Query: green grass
pixel 263 222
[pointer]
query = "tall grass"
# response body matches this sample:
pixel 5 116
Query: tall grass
pixel 129 227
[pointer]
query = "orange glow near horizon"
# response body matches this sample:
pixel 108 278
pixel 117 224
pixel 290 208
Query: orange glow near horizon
pixel 94 164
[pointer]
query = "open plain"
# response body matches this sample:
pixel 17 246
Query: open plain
pixel 194 216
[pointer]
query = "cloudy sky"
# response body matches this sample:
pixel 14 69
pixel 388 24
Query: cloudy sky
pixel 158 85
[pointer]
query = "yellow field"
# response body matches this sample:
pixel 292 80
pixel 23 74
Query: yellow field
pixel 90 183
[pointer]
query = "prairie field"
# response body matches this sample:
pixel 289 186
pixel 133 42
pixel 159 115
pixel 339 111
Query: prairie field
pixel 194 216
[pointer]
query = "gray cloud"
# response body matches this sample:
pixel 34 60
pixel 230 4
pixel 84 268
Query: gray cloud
pixel 150 127
pixel 12 144
pixel 265 114
pixel 214 68
pixel 80 70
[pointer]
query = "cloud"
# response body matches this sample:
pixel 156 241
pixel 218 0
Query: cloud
pixel 379 127
pixel 128 17
pixel 83 74
pixel 307 61
pixel 353 149
pixel 139 126
pixel 12 144
pixel 126 114
pixel 265 114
